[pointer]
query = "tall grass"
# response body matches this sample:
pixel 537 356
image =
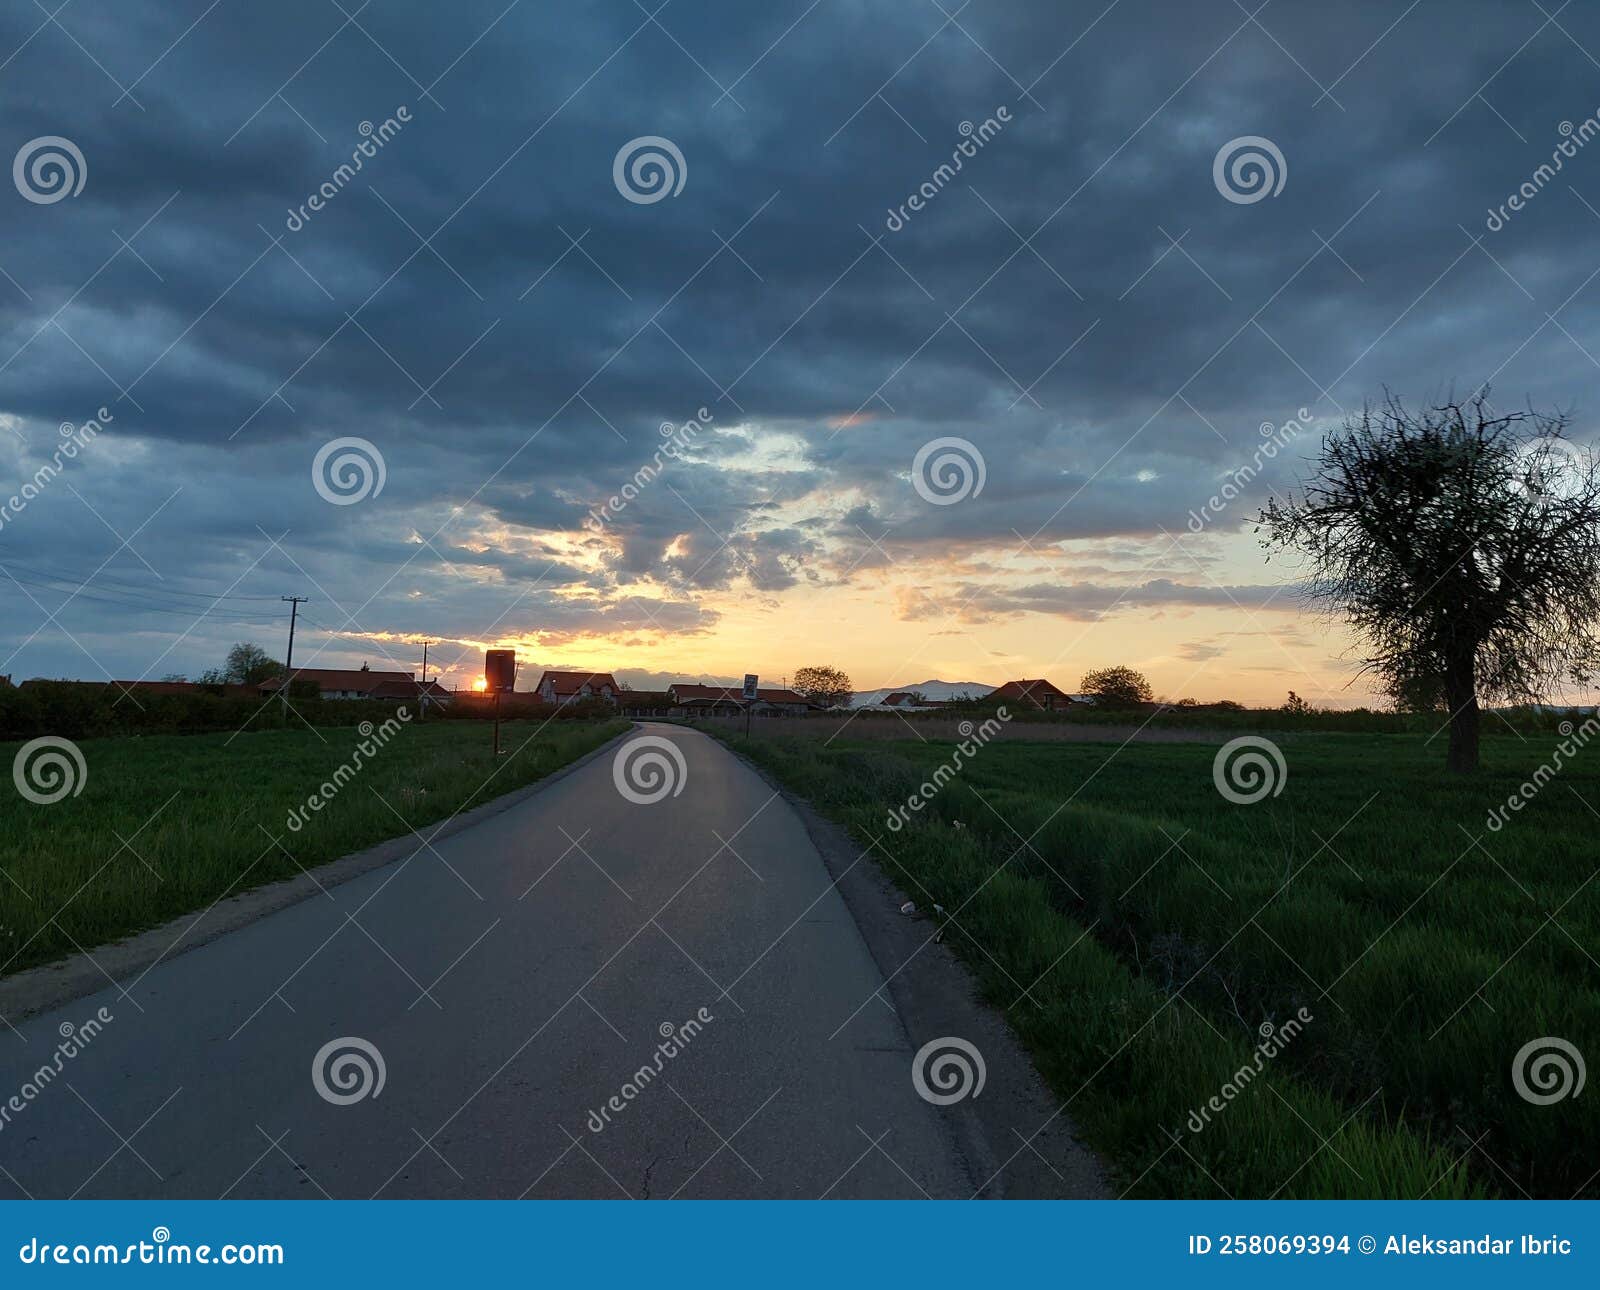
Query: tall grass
pixel 1427 950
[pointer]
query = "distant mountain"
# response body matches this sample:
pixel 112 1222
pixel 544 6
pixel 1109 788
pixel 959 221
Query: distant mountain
pixel 928 690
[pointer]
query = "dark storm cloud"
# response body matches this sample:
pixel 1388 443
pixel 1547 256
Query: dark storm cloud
pixel 479 301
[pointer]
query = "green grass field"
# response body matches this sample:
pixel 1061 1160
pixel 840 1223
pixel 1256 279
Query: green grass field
pixel 1139 930
pixel 167 824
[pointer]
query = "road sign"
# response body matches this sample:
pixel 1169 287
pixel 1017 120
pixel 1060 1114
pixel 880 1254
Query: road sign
pixel 750 680
pixel 500 673
pixel 499 669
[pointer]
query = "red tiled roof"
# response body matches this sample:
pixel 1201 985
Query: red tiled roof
pixel 685 692
pixel 731 694
pixel 1038 692
pixel 338 678
pixel 573 682
pixel 778 695
pixel 408 690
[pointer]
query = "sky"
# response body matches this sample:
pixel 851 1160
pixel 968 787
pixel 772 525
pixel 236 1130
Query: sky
pixel 922 334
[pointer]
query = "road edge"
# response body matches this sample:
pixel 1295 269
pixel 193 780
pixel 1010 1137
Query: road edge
pixel 1017 1136
pixel 38 989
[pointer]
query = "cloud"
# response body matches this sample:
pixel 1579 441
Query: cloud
pixel 976 603
pixel 479 301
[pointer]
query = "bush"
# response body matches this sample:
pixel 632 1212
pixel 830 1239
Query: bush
pixel 1117 687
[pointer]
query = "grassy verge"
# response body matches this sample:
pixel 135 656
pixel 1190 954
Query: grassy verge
pixel 1139 929
pixel 167 824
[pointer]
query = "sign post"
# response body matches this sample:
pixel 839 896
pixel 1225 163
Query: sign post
pixel 499 674
pixel 750 681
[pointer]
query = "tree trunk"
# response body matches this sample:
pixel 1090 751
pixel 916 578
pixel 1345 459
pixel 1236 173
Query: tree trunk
pixel 1461 692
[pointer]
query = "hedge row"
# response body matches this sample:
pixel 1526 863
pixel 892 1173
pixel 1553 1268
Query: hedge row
pixel 1213 717
pixel 78 711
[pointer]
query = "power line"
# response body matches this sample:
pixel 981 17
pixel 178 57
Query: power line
pixel 331 631
pixel 368 641
pixel 146 604
pixel 116 584
pixel 155 600
pixel 353 636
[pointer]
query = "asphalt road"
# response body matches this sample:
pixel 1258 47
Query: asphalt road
pixel 514 977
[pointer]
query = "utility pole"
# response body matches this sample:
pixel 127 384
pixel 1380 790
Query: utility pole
pixel 294 603
pixel 423 696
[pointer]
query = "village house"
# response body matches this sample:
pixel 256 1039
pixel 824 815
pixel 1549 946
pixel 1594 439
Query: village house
pixel 722 700
pixel 1032 694
pixel 901 701
pixel 562 688
pixel 904 701
pixel 359 683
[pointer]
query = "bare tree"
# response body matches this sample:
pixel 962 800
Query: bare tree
pixel 1462 544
